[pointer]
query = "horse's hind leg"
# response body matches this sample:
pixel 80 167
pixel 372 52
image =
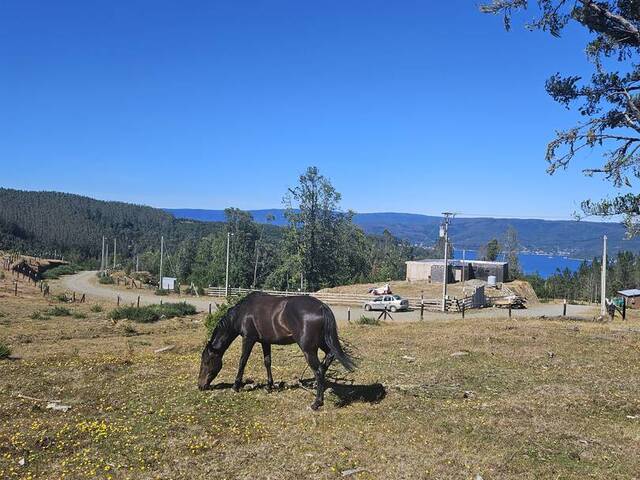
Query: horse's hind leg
pixel 318 371
pixel 266 351
pixel 247 345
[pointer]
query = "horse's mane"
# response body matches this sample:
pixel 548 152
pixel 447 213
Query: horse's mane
pixel 228 317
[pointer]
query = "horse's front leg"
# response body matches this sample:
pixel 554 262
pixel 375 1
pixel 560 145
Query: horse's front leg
pixel 247 345
pixel 266 351
pixel 318 372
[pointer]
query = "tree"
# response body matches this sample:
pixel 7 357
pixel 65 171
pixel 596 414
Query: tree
pixel 312 212
pixel 491 250
pixel 609 102
pixel 511 246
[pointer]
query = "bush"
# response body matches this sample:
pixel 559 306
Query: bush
pixel 5 351
pixel 152 313
pixel 79 315
pixel 59 311
pixel 55 272
pixel 62 297
pixel 38 316
pixel 364 320
pixel 106 280
pixel 162 292
pixel 96 308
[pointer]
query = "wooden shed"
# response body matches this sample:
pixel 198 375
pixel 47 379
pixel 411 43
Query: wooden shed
pixel 631 297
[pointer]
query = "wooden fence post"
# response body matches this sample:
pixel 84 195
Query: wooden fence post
pixel 15 293
pixel 349 314
pixel 564 308
pixel 463 308
pixel 138 304
pixel 509 310
pixel 118 300
pixel 209 309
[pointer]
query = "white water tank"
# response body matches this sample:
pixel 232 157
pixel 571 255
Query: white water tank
pixel 491 280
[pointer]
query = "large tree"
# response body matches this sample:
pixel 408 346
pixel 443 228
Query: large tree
pixel 609 101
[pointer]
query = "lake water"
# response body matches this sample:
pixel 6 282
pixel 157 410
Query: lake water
pixel 545 265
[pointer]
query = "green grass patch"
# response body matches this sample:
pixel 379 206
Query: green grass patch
pixel 79 315
pixel 106 280
pixel 38 316
pixel 5 351
pixel 96 308
pixel 152 313
pixel 162 292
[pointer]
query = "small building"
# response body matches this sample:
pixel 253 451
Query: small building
pixel 168 283
pixel 631 297
pixel 432 270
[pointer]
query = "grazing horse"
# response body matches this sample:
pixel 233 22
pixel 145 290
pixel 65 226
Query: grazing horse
pixel 268 320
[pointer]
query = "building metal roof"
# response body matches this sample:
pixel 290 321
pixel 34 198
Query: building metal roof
pixel 456 262
pixel 633 292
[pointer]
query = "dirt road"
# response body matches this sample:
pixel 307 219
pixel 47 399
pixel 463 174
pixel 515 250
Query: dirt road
pixel 86 282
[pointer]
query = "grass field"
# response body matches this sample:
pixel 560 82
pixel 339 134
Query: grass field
pixel 439 399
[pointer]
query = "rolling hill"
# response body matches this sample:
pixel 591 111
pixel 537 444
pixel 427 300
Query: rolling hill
pixel 577 238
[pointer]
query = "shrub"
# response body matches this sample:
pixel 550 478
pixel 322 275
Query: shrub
pixel 5 351
pixel 162 292
pixel 61 297
pixel 1 275
pixel 152 313
pixel 129 330
pixel 59 311
pixel 96 308
pixel 364 320
pixel 38 316
pixel 106 280
pixel 79 315
pixel 55 272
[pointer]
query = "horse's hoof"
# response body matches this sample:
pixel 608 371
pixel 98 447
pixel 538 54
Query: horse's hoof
pixel 269 388
pixel 316 405
pixel 237 387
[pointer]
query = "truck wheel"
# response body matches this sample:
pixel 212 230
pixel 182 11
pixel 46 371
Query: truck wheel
pixel 367 308
pixel 392 309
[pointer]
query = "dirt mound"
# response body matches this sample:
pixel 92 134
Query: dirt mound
pixel 523 289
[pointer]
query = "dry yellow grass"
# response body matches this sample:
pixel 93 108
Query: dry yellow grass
pixel 525 399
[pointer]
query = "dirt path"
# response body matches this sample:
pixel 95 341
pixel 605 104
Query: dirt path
pixel 84 282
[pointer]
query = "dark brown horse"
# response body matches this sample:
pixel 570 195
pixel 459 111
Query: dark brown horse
pixel 276 320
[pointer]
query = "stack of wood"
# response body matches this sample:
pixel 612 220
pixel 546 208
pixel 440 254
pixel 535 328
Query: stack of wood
pixel 513 301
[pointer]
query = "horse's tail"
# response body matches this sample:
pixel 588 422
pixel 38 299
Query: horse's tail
pixel 333 342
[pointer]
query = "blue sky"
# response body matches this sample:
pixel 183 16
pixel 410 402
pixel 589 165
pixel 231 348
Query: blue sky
pixel 406 106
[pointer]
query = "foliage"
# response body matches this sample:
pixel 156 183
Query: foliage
pixel 364 320
pixel 152 313
pixel 59 311
pixel 97 308
pixel 56 272
pixel 491 250
pixel 106 280
pixel 79 315
pixel 511 246
pixel 161 292
pixel 5 351
pixel 609 102
pixel 38 316
pixel 623 272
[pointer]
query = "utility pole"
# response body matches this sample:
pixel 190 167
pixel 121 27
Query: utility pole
pixel 137 263
pixel 603 279
pixel 161 255
pixel 226 282
pixel 114 253
pixel 301 282
pixel 102 257
pixel 106 257
pixel 444 233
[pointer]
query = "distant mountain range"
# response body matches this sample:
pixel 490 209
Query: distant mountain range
pixel 574 238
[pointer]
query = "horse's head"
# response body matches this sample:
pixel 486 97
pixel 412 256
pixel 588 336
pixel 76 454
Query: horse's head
pixel 210 366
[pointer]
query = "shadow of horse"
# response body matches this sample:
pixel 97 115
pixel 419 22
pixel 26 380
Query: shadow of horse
pixel 345 394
